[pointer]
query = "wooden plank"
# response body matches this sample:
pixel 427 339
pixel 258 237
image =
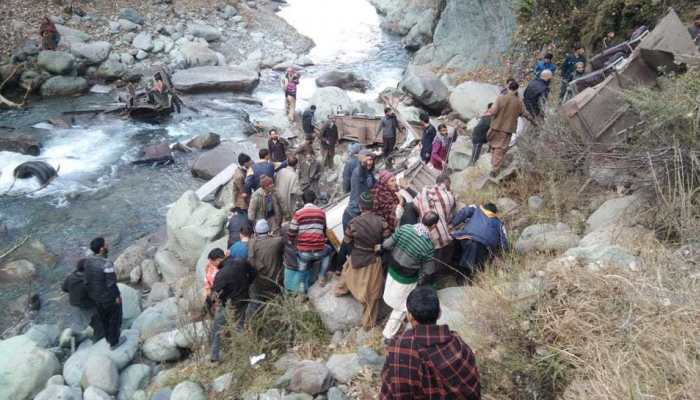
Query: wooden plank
pixel 221 179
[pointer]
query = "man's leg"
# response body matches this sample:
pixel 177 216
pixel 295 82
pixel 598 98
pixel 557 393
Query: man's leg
pixel 393 325
pixel 219 322
pixel 114 322
pixel 498 141
pixel 476 153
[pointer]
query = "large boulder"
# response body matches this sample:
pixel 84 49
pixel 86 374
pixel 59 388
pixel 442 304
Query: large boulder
pixel 132 257
pixel 634 238
pixel 100 372
pixel 18 270
pixel 25 368
pixel 621 210
pixel 44 335
pixel 64 86
pixel 460 153
pixel 215 79
pixel 328 100
pixel 470 98
pixel 206 32
pixel 595 258
pixel 143 41
pixel 93 52
pixel 196 54
pixel 56 62
pixel 337 313
pixel 211 162
pixel 161 347
pixel 111 70
pixel 343 80
pixel 162 317
pixel 344 367
pixel 205 141
pixel 70 36
pixel 155 154
pixel 310 377
pixel 159 291
pixel 93 393
pixel 546 237
pixel 131 303
pixel 425 88
pixel 74 367
pixel 188 390
pixel 134 378
pixel 59 392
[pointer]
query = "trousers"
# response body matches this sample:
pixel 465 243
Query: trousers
pixel 110 318
pixel 291 104
pixel 499 142
pixel 219 322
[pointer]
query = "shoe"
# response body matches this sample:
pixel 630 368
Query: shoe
pixel 121 341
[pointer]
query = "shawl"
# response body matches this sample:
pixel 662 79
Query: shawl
pixel 385 199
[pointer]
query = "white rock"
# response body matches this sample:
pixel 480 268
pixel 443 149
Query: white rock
pixel 134 378
pixel 29 369
pixel 344 367
pixel 211 78
pixel 329 100
pixel 93 52
pixel 337 313
pixel 188 391
pixel 143 41
pixel 161 347
pixel 59 392
pixel 622 210
pixel 206 32
pixel 93 393
pixel 546 237
pixel 470 99
pixel 100 372
pixel 222 383
pixel 128 26
pixel 18 270
pixel 44 335
pixel 131 303
pixel 161 317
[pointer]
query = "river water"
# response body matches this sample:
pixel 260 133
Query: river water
pixel 98 191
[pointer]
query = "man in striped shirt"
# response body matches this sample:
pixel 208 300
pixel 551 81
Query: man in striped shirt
pixel 440 200
pixel 308 232
pixel 410 262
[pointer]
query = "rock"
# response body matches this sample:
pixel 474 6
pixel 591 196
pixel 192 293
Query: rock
pixel 189 299
pixel 188 391
pixel 131 257
pixel 100 372
pixel 425 88
pixel 304 61
pixel 328 101
pixel 535 203
pixel 134 377
pixel 631 238
pixel 158 46
pixel 114 26
pixel 101 89
pixel 421 33
pixel 93 393
pixel 157 154
pixel 56 62
pixel 70 35
pixel 460 153
pixel 149 273
pixel 211 162
pixel 337 313
pixel 506 206
pixel 230 11
pixel 598 257
pixel 367 356
pixel 135 275
pixel 29 369
pixel 161 317
pixel 343 80
pixel 132 15
pixel 128 26
pixel 111 70
pixel 131 303
pixel 93 52
pixel 143 41
pixel 29 48
pixel 59 392
pixel 336 394
pixel 161 347
pixel 622 210
pixel 215 79
pixel 196 54
pixel 206 32
pixel 64 86
pixel 222 383
pixel 546 237
pixel 141 55
pixel 18 270
pixel 344 367
pixel 310 377
pixel 126 59
pixel 44 335
pixel 204 141
pixel 162 394
pixel 56 380
pixel 470 98
pixel 159 292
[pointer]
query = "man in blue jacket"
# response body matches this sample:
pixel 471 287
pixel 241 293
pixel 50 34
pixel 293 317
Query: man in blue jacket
pixel 482 235
pixel 263 167
pixel 545 63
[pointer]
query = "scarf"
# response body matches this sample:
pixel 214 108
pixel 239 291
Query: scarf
pixel 385 199
pixel 422 230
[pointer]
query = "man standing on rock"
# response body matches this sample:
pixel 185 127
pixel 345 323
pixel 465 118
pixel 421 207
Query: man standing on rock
pixel 265 253
pixel 329 138
pixel 429 361
pixel 389 127
pixel 362 181
pixel 240 191
pixel 277 147
pixel 290 81
pixel 265 203
pixel 308 124
pixel 102 289
pixel 309 170
pixel 569 66
pixel 410 263
pixel 308 232
pixel 426 142
pixel 482 236
pixel 287 183
pixel 363 273
pixel 479 136
pixel 504 123
pixel 350 165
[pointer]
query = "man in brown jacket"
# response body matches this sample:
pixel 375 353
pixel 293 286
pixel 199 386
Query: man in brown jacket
pixel 265 255
pixel 504 122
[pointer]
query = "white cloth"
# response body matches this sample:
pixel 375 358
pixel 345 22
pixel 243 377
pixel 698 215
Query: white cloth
pixel 393 324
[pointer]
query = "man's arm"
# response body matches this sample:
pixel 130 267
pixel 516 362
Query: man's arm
pixel 111 280
pixel 463 214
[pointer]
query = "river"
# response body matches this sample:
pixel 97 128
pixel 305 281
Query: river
pixel 99 192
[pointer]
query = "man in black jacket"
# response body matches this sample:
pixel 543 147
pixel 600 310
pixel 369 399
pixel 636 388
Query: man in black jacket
pixel 479 136
pixel 102 289
pixel 76 287
pixel 426 142
pixel 536 94
pixel 307 123
pixel 230 289
pixel 329 138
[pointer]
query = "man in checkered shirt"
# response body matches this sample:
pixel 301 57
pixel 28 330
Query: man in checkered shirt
pixel 429 361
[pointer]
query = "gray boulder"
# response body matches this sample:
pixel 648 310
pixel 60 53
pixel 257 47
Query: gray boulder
pixel 622 210
pixel 134 378
pixel 470 98
pixel 425 88
pixel 161 317
pixel 230 11
pixel 29 369
pixel 111 70
pixel 197 54
pixel 143 41
pixel 546 237
pixel 93 52
pixel 93 393
pixel 56 62
pixel 56 380
pixel 74 367
pixel 211 162
pixel 222 383
pixel 155 154
pixel 599 257
pixel 59 392
pixel 215 79
pixel 344 367
pixel 44 335
pixel 162 394
pixel 132 15
pixel 131 303
pixel 204 141
pixel 337 313
pixel 18 270
pixel 343 80
pixel 149 273
pixel 634 238
pixel 328 100
pixel 100 372
pixel 161 347
pixel 335 393
pixel 70 36
pixel 310 377
pixel 421 33
pixel 128 26
pixel 133 256
pixel 506 206
pixel 206 32
pixel 188 391
pixel 159 291
pixel 64 86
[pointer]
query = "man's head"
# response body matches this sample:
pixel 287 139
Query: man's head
pixel 266 183
pixel 509 80
pixel 444 180
pixel 366 201
pixel 580 67
pixel 546 75
pixel 307 150
pixel 696 20
pixel 246 230
pixel 388 112
pixel 579 50
pixel 548 58
pixel 424 118
pixel 244 160
pixel 292 161
pixel 80 267
pixel 216 256
pixel 274 135
pixel 264 154
pixel 442 128
pixel 430 219
pixel 423 305
pixel 513 86
pixel 309 197
pixel 99 247
pixel 262 227
pixel 491 207
pixel 366 159
pixel 312 108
